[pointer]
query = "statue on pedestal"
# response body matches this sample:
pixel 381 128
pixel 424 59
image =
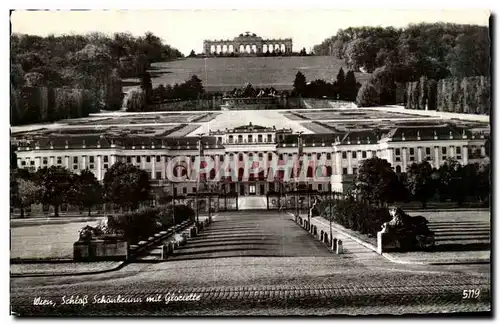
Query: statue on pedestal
pixel 411 232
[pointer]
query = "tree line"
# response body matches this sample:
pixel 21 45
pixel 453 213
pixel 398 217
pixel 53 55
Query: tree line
pixel 434 50
pixel 345 87
pixel 399 57
pixel 124 185
pixel 94 62
pixel 377 183
pixel 139 99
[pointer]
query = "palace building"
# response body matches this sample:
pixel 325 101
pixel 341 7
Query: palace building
pixel 331 158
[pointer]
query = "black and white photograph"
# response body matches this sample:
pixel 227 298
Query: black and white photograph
pixel 229 163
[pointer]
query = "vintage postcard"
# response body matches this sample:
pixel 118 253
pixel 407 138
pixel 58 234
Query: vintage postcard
pixel 163 163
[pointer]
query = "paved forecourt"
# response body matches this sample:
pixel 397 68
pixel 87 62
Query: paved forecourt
pixel 255 259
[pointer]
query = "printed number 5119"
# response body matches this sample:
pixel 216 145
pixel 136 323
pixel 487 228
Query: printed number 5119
pixel 471 293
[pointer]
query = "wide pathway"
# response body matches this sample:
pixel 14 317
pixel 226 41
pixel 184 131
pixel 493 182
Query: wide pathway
pixel 266 118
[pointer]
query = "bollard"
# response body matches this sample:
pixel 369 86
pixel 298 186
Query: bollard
pixel 164 252
pixel 333 244
pixel 340 249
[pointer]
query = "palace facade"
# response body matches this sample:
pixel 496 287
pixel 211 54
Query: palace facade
pixel 331 158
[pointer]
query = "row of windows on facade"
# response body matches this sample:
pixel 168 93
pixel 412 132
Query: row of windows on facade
pixel 354 155
pixel 250 139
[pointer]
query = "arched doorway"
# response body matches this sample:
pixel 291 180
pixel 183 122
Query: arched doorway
pixel 241 48
pixel 265 48
pixel 248 49
pixel 231 48
pixel 219 49
pixel 224 48
pixel 212 49
pixel 254 48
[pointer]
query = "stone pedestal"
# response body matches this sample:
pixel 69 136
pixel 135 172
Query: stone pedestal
pixel 100 250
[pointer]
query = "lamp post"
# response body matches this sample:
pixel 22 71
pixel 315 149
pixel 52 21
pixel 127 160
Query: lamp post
pixel 200 153
pixel 297 177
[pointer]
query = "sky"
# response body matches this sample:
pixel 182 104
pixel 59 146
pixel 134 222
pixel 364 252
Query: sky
pixel 186 29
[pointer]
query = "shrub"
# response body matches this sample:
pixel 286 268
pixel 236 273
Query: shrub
pixel 182 213
pixel 137 225
pixel 359 216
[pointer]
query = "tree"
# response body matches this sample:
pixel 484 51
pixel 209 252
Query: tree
pixel 367 96
pixel 376 182
pixel 340 83
pixel 420 182
pixel 126 185
pixel 29 193
pixel 299 84
pixel 192 54
pixel 302 52
pixel 88 190
pixel 56 184
pixel 350 86
pixel 146 85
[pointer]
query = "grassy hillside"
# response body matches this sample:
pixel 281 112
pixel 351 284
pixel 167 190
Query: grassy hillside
pixel 226 73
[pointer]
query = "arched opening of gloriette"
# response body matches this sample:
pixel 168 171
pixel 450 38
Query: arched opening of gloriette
pixel 248 48
pixel 219 49
pixel 212 48
pixel 242 48
pixel 283 48
pixel 231 48
pixel 254 48
pixel 265 48
pixel 224 48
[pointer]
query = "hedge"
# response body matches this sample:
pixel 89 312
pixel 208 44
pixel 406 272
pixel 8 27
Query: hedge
pixel 359 216
pixel 140 225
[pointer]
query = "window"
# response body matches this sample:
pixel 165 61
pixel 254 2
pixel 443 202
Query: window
pixel 269 138
pixel 344 155
pixel 129 159
pixel 328 156
pixel 138 159
pixel 344 171
pixel 59 160
pixel 148 159
pixel 281 156
pixel 221 158
pixel 354 155
pixel 158 175
pixel 23 163
pixel 428 151
pixel 261 155
pixel 363 154
pixel 194 189
pixel 318 156
pixel 105 166
pixel 32 163
pixel 91 166
pixel 250 138
pixel 231 156
pixel 458 150
pixel 75 166
pixel 91 159
pixel 443 150
pixel 269 156
pixel 412 151
pixel 75 160
pixel 193 158
pixel 259 137
pixel 158 158
pixel 240 138
pixel 105 159
pixel 398 151
pixel 184 190
pixel 45 161
pixel 354 170
pixel 374 153
pixel 290 156
pixel 320 187
pixel 398 169
pixel 240 157
pixel 230 139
